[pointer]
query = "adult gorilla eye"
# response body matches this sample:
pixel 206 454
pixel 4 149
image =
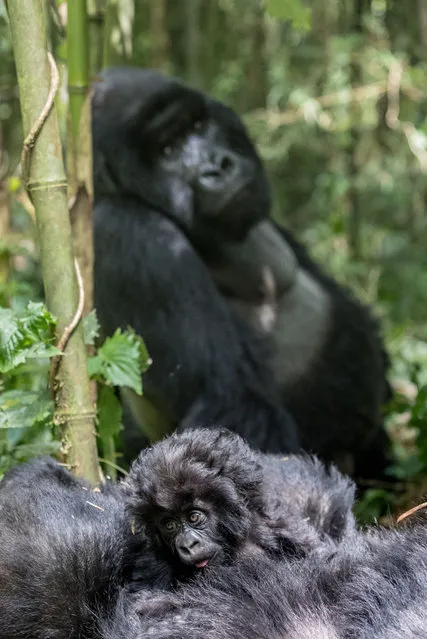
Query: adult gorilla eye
pixel 196 517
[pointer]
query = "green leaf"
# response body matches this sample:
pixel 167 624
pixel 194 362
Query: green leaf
pixel 109 413
pixel 90 328
pixel 24 409
pixel 121 361
pixel 25 335
pixel 23 452
pixel 291 10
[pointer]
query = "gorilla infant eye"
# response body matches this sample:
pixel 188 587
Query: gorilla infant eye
pixel 196 517
pixel 169 525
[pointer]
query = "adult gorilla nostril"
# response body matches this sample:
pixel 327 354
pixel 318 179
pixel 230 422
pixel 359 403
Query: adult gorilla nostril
pixel 220 162
pixel 226 163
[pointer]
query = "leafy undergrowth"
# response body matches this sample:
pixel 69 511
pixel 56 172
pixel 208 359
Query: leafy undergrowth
pixel 26 409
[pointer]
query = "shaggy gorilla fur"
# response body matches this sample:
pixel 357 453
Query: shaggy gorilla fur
pixel 62 548
pixel 251 502
pixel 373 586
pixel 66 551
pixel 244 329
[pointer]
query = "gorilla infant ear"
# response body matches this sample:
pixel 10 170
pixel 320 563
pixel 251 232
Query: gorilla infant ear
pixel 204 497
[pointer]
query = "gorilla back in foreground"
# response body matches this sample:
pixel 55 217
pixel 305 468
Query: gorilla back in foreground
pixel 62 549
pixel 372 586
pixel 244 329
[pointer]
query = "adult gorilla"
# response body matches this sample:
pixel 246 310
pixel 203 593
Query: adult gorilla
pixel 240 323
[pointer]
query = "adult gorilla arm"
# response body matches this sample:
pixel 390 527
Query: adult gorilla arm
pixel 205 370
pixel 327 343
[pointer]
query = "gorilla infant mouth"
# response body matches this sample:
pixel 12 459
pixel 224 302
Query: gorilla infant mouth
pixel 202 562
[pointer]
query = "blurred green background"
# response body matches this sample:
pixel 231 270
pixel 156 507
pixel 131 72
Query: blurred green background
pixel 334 95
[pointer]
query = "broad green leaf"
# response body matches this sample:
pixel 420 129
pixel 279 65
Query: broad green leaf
pixel 121 361
pixel 23 452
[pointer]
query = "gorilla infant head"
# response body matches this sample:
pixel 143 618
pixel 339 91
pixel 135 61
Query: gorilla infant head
pixel 198 497
pixel 204 498
pixel 198 165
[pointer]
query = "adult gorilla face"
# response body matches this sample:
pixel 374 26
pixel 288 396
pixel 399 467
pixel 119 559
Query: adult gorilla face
pixel 183 154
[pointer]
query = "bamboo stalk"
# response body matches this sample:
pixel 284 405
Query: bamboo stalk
pixel 47 186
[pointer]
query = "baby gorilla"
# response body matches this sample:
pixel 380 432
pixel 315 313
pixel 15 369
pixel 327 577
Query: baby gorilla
pixel 63 545
pixel 204 498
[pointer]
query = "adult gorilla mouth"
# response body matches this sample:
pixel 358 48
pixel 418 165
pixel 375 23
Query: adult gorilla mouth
pixel 237 196
pixel 202 564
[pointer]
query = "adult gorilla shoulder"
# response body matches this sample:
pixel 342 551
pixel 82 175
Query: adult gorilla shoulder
pixel 239 321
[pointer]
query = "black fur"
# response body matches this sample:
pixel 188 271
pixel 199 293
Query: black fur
pixel 217 376
pixel 339 406
pixel 172 198
pixel 67 551
pixel 62 553
pixel 262 503
pixel 373 586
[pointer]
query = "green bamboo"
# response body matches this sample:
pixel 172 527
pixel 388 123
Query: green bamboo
pixel 47 186
pixel 77 60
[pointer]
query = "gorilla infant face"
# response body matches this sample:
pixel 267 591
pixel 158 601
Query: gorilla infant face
pixel 192 535
pixel 178 151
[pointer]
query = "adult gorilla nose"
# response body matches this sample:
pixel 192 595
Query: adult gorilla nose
pixel 220 165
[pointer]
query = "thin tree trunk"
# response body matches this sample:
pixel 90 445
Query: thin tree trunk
pixel 96 13
pixel 4 215
pixel 159 36
pixel 79 158
pixel 257 84
pixel 354 206
pixel 47 186
pixel 79 145
pixel 193 8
